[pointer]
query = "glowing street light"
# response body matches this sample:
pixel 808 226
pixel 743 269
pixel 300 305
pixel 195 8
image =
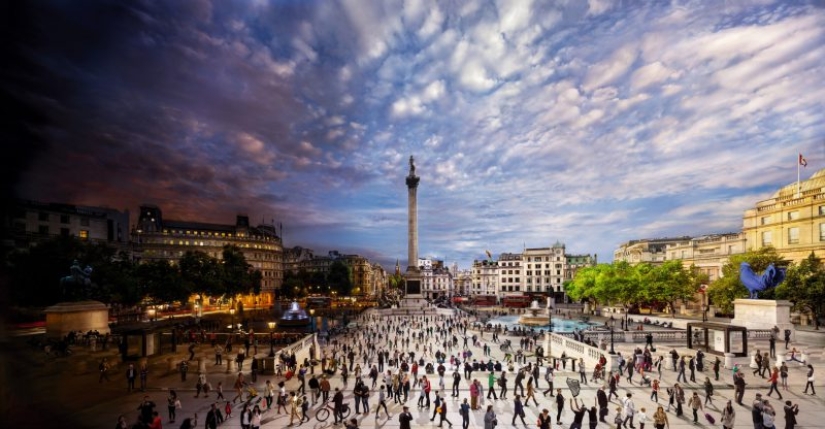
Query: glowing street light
pixel 271 329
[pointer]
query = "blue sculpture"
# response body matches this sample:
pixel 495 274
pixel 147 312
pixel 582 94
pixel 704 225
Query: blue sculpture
pixel 756 283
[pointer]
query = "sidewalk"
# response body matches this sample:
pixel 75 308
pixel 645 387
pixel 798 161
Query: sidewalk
pixel 84 402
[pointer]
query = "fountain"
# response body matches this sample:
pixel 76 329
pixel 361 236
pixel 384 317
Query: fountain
pixel 294 316
pixel 536 315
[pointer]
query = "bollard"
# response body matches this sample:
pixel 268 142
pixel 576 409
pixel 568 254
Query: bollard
pixel 229 365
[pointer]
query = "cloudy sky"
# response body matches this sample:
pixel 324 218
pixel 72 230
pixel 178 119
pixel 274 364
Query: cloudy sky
pixel 590 123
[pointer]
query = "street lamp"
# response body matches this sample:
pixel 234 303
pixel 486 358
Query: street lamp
pixel 312 319
pixel 626 326
pixel 702 289
pixel 271 350
pixel 612 324
pixel 232 313
pixel 151 313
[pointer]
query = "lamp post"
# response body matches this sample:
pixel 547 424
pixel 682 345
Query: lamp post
pixel 271 349
pixel 702 289
pixel 312 319
pixel 612 324
pixel 626 326
pixel 232 313
pixel 151 313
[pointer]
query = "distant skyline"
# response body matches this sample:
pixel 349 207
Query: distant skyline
pixel 586 122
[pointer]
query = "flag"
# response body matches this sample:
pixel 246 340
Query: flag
pixel 802 161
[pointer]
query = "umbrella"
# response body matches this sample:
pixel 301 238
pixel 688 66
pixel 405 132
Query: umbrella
pixel 574 386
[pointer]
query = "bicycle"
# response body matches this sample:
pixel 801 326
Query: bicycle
pixel 323 414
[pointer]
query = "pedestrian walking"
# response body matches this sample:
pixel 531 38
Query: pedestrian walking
pixel 708 391
pixel 559 406
pixel 728 416
pixel 810 382
pixel 774 382
pixel 660 420
pixel 518 410
pixel 695 404
pixel 131 376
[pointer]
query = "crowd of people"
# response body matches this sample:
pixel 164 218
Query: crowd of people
pixel 392 360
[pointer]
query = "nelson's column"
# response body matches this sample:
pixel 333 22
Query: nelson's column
pixel 412 277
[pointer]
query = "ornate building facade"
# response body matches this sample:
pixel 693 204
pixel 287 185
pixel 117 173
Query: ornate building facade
pixel 792 220
pixel 156 238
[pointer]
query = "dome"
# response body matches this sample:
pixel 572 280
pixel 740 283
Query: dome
pixel 815 183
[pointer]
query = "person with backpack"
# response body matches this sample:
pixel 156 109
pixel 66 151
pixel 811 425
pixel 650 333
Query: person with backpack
pixel 502 383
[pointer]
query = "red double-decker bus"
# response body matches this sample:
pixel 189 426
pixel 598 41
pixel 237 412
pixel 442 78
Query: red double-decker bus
pixel 516 301
pixel 485 300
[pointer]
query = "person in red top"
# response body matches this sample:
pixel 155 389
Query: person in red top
pixel 425 386
pixel 774 379
pixel 157 422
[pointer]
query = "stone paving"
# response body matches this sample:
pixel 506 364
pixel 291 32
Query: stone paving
pixel 61 397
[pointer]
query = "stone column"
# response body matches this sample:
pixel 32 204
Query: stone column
pixel 412 216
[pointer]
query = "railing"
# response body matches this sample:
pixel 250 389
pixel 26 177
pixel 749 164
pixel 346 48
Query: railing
pixel 576 350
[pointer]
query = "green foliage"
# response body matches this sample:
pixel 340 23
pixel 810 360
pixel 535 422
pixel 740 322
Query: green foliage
pixel 724 290
pixel 804 286
pixel 631 285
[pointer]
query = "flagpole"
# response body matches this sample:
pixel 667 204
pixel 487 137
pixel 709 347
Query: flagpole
pixel 798 159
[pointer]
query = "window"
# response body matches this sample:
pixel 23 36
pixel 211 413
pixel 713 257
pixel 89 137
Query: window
pixel 64 218
pixel 793 215
pixel 84 221
pixel 43 217
pixel 84 234
pixel 765 220
pixel 821 210
pixel 793 235
pixel 766 238
pixel 822 232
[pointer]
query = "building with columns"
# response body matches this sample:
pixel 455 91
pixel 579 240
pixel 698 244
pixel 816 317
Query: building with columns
pixel 708 253
pixel 792 220
pixel 651 250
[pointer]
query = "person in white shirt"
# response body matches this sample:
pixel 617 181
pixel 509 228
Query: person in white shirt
pixel 629 410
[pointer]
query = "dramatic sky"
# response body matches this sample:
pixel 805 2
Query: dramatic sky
pixel 591 123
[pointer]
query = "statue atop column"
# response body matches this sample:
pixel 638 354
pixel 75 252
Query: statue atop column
pixel 412 179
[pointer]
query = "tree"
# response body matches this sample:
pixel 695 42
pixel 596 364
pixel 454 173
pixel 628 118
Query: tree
pixel 162 282
pixel 671 282
pixel 804 286
pixel 235 274
pixel 339 279
pixel 35 273
pixel 727 288
pixel 200 273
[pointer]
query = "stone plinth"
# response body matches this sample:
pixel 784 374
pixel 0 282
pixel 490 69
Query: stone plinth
pixel 80 316
pixel 762 314
pixel 535 321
